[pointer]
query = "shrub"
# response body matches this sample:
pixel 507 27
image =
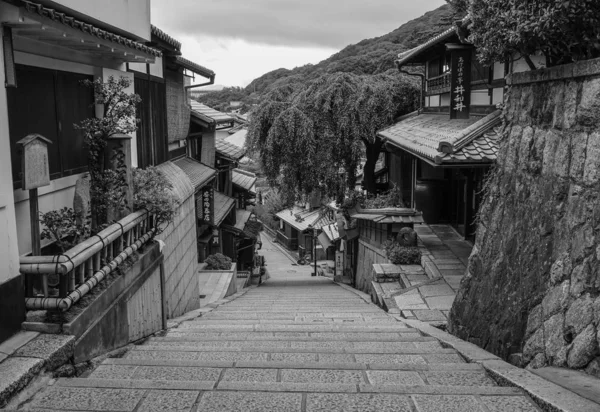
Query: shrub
pixel 401 255
pixel 563 30
pixel 65 226
pixel 218 262
pixel 152 191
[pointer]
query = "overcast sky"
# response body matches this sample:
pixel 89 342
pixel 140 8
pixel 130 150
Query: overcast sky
pixel 243 39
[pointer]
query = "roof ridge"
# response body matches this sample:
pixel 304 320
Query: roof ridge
pixel 165 37
pixel 470 133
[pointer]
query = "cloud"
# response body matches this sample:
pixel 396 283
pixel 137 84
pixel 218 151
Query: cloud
pixel 237 62
pixel 301 23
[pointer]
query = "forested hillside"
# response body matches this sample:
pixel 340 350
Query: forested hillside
pixel 370 56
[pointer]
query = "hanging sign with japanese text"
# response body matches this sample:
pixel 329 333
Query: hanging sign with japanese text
pixel 460 93
pixel 339 263
pixel 207 205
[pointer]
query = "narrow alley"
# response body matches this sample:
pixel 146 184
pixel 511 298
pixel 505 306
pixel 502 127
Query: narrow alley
pixel 295 343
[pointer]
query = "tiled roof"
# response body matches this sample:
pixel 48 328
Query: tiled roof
pixel 155 31
pixel 229 149
pixel 332 232
pixel 194 67
pixel 238 138
pixel 243 179
pixel 388 215
pixel 241 217
pixel 223 205
pixel 406 56
pixel 36 8
pixel 299 218
pixel 209 115
pixel 442 140
pixel 199 173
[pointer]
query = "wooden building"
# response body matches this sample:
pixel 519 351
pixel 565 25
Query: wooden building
pixel 440 154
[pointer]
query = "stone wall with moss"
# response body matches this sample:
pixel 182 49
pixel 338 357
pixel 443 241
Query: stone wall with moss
pixel 531 291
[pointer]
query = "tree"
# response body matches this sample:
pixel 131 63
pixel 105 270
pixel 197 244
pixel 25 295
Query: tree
pixel 563 30
pixel 305 136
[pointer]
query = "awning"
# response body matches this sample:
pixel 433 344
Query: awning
pixel 443 141
pixel 207 116
pixel 194 67
pixel 199 173
pixel 59 30
pixel 243 179
pixel 223 205
pixel 299 218
pixel 324 240
pixel 229 150
pixel 388 215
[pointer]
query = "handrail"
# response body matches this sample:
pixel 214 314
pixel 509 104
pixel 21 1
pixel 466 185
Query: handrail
pixel 82 267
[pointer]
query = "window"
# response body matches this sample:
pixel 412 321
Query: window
pixel 50 102
pixel 152 142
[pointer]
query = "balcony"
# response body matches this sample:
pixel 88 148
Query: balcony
pixel 439 84
pixel 290 243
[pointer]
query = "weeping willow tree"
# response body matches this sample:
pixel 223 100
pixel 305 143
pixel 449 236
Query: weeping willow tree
pixel 311 136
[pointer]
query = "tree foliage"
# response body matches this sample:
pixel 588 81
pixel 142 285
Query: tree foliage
pixel 563 30
pixel 319 130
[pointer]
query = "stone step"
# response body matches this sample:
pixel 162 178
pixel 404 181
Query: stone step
pixel 230 401
pixel 190 327
pixel 295 321
pixel 124 366
pixel 299 309
pixel 307 381
pixel 309 348
pixel 189 334
pixel 292 315
pixel 382 347
pixel 267 356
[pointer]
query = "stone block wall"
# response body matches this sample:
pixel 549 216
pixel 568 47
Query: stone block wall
pixel 531 291
pixel 181 253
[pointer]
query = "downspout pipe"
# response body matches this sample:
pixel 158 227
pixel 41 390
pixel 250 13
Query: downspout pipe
pixel 422 76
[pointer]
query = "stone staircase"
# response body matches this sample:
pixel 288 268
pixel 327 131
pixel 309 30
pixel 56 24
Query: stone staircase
pixel 293 344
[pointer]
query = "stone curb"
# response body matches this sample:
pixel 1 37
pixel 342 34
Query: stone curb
pixel 549 396
pixel 44 352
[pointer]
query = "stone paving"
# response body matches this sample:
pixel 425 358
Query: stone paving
pixel 296 343
pixel 430 297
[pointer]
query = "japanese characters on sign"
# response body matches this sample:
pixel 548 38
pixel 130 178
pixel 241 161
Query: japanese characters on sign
pixel 339 263
pixel 460 92
pixel 207 205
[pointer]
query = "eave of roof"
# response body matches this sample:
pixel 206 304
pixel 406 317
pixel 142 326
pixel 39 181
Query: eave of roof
pixel 36 9
pixel 198 173
pixel 243 179
pixel 209 115
pixel 407 56
pixel 194 67
pixel 229 150
pixel 388 215
pixel 155 31
pixel 442 141
pixel 300 219
pixel 222 206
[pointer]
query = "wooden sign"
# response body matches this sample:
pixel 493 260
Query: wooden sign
pixel 460 92
pixel 339 263
pixel 241 200
pixel 34 161
pixel 207 203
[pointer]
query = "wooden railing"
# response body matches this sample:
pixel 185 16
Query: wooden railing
pixel 290 243
pixel 439 84
pixel 82 267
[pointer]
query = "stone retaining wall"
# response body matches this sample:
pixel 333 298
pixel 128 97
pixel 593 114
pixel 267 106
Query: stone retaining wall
pixel 531 292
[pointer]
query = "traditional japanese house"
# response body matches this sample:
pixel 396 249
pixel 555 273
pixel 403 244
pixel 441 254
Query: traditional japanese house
pixel 440 154
pixel 297 227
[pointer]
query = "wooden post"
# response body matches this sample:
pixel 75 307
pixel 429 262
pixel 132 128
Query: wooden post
pixel 35 173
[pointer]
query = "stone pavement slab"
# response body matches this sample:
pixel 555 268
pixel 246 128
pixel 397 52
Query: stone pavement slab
pixel 296 343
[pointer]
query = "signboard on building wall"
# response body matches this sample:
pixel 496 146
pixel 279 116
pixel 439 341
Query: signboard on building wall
pixel 241 200
pixel 339 263
pixel 460 92
pixel 207 200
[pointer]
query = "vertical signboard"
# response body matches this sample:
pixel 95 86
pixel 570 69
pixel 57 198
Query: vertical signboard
pixel 207 202
pixel 460 92
pixel 339 263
